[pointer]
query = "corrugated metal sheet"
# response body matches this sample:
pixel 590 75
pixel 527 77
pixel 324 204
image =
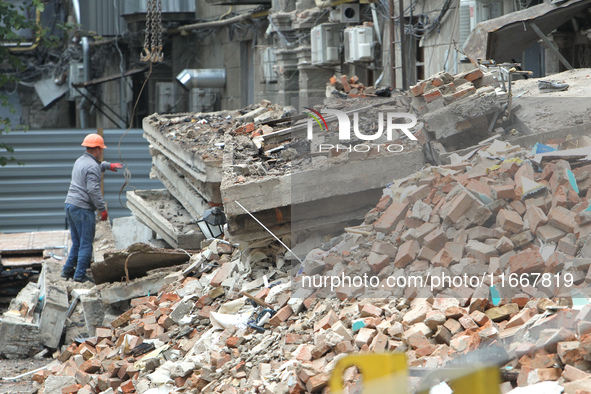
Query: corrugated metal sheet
pixel 32 195
pixel 103 17
pixel 133 6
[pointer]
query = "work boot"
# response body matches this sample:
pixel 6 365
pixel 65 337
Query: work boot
pixel 84 279
pixel 551 86
pixel 67 275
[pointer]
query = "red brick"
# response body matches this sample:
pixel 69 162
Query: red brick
pixel 317 382
pixel 510 221
pixel 418 89
pixel 291 338
pixel 345 83
pixel 390 218
pixel 520 319
pixel 141 301
pixel 527 261
pixel 503 192
pixel 442 259
pixel 436 239
pixel 371 311
pixel 562 219
pixel 535 217
pixel 246 129
pixel 377 261
pixel 304 352
pixel 418 194
pixel 479 188
pixel 472 75
pixel 72 389
pixel 326 322
pixel 548 374
pixel 571 374
pixel 91 366
pixel 457 207
pixel 463 91
pixel 127 387
pixel 234 342
pixel 282 315
pixel 364 336
pixel 406 253
pixel 344 347
pixel 432 95
pixel 222 274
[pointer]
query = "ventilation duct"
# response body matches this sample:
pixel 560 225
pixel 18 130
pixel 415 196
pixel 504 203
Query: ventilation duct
pixel 202 78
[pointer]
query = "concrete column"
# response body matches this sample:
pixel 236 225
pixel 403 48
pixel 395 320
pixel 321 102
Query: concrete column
pixel 312 80
pixel 288 79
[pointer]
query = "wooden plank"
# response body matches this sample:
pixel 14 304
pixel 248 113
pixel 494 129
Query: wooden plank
pixel 22 261
pixel 33 242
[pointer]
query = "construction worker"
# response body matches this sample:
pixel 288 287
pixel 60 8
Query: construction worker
pixel 84 197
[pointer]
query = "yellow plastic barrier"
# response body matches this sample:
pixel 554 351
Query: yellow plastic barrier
pixel 481 381
pixel 386 372
pixel 477 380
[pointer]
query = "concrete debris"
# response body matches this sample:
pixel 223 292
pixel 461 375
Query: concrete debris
pixel 199 333
pixel 135 262
pixel 215 159
pixel 343 86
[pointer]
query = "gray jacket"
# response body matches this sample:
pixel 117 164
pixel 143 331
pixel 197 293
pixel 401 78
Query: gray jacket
pixel 85 187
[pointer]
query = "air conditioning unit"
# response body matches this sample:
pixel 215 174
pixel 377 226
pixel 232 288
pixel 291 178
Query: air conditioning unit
pixel 326 41
pixel 359 44
pixel 472 12
pixel 269 62
pixel 164 97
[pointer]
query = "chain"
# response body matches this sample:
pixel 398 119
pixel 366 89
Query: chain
pixel 153 36
pixel 158 19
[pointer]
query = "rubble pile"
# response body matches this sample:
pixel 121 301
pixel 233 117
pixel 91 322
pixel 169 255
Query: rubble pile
pixel 233 321
pixel 460 110
pixel 343 86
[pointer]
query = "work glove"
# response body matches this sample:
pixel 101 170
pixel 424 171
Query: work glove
pixel 104 215
pixel 116 166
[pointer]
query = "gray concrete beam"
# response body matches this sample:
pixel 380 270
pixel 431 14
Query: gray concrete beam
pixel 192 162
pixel 183 237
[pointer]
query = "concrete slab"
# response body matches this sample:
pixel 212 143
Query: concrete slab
pixel 129 230
pixel 192 162
pixel 138 258
pixel 94 313
pixel 159 210
pixel 208 191
pixel 110 293
pixel 193 203
pixel 53 316
pixel 19 339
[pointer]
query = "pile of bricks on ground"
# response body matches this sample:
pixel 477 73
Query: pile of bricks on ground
pixel 201 334
pixel 448 88
pixel 351 86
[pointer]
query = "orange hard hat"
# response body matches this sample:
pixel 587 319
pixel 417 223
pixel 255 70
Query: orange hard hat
pixel 93 141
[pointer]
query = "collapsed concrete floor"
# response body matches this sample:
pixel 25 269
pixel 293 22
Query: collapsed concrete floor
pixel 191 328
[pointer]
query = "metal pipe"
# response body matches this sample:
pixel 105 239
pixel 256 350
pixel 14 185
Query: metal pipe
pixel 76 4
pixel 86 65
pixel 202 78
pixel 376 24
pixel 402 45
pixel 30 46
pixel 214 24
pixel 392 27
